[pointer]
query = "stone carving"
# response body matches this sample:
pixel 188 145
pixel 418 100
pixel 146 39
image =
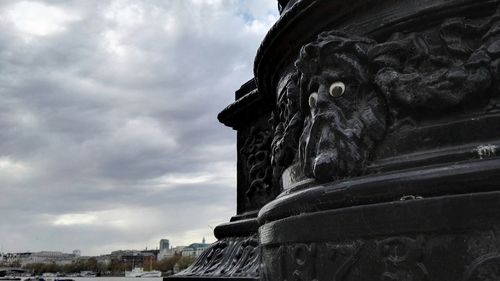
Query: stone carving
pixel 229 257
pixel 438 69
pixel 402 257
pixel 346 256
pixel 336 112
pixel 345 115
pixel 256 151
pixel 287 123
pixel 303 257
pixel 313 261
pixel 350 91
pixel 486 267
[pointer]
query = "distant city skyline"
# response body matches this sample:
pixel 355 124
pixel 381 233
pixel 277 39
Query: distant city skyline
pixel 163 256
pixel 108 130
pixel 82 251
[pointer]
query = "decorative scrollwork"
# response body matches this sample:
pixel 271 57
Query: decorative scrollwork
pixel 402 257
pixel 438 69
pixel 257 153
pixel 486 267
pixel 312 261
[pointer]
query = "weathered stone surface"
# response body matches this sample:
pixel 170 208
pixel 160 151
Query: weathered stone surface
pixel 442 238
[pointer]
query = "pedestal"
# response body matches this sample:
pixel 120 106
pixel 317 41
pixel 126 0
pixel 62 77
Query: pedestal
pixel 368 146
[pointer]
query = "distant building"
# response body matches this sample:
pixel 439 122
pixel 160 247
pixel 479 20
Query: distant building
pixel 16 258
pixel 134 257
pixel 164 244
pixel 52 257
pixel 150 252
pixel 165 254
pixel 149 256
pixel 195 249
pixel 131 256
pixel 25 258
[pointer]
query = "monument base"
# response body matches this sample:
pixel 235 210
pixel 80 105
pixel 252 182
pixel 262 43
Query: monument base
pixel 441 238
pixel 375 123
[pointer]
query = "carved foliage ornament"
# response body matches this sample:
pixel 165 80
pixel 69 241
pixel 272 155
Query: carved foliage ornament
pixel 312 261
pixel 403 257
pixel 486 267
pixel 256 152
pixel 348 91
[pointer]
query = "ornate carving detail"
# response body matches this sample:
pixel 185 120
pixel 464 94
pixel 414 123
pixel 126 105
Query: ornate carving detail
pixel 349 91
pixel 402 257
pixel 438 69
pixel 229 257
pixel 303 260
pixel 486 267
pixel 344 115
pixel 287 122
pixel 336 111
pixel 257 153
pixel 345 256
pixel 312 261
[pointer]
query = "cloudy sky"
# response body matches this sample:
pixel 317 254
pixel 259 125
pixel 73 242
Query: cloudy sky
pixel 108 131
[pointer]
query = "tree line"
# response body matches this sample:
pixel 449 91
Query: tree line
pixel 115 267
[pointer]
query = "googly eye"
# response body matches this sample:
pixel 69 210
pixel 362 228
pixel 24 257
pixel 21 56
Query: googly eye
pixel 313 100
pixel 337 89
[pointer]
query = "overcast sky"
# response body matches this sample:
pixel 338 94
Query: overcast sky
pixel 108 131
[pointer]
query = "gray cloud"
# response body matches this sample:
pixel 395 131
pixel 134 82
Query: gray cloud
pixel 108 131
